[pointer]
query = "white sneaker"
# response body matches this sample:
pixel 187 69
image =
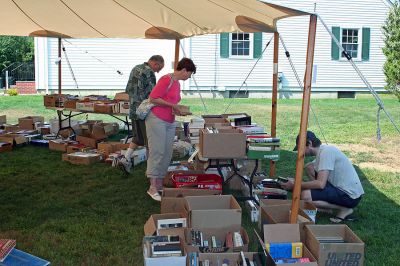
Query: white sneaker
pixel 126 165
pixel 156 196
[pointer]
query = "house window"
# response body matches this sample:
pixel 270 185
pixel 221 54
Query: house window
pixel 241 45
pixel 351 42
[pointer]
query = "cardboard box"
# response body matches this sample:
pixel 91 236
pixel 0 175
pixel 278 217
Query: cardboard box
pixel 58 145
pixel 70 103
pixel 173 201
pixel 349 253
pixel 220 235
pixel 121 96
pixel 82 158
pixel 150 227
pixel 308 209
pixel 87 141
pixel 85 106
pixel 110 147
pixel 11 128
pixel 286 233
pixel 5 146
pixel 216 122
pixel 217 211
pixel 124 107
pixel 227 143
pixel 76 147
pixel 14 139
pixel 50 100
pixel 238 119
pixel 233 258
pixel 164 261
pixel 104 108
pixel 3 119
pixel 29 122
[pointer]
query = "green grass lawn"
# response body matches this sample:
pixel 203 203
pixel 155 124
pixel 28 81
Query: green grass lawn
pixel 94 215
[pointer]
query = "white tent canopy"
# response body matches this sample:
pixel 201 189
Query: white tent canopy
pixel 156 19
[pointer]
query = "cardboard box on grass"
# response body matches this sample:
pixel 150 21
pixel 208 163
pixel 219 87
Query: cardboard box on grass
pixel 111 146
pixel 60 145
pixel 150 227
pixel 220 235
pixel 277 214
pixel 227 143
pixel 164 261
pixel 307 208
pixel 29 122
pixel 11 128
pixel 286 233
pixel 167 181
pixel 14 139
pixel 82 158
pixel 173 200
pixel 5 146
pixel 3 119
pixel 233 258
pixel 349 253
pixel 217 211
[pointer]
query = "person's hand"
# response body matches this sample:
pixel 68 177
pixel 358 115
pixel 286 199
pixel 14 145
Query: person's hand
pixel 176 110
pixel 288 185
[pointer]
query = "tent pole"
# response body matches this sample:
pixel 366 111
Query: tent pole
pixel 274 98
pixel 304 119
pixel 59 65
pixel 177 43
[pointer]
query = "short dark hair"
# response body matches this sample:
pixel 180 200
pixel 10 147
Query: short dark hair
pixel 157 58
pixel 186 63
pixel 315 142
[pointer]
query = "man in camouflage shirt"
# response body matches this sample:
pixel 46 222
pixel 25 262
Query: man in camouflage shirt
pixel 141 81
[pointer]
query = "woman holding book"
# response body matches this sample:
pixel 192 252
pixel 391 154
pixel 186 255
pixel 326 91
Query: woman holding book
pixel 160 124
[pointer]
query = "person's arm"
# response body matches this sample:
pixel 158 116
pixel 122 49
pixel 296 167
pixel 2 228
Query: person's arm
pixel 161 102
pixel 318 183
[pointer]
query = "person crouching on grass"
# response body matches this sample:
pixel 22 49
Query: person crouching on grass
pixel 334 184
pixel 160 124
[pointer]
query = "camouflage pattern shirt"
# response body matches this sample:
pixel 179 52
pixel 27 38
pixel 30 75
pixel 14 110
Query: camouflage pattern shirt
pixel 141 81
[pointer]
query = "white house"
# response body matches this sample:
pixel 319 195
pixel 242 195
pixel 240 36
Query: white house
pixel 102 66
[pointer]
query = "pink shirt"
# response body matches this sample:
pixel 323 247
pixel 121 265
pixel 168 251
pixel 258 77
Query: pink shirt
pixel 172 96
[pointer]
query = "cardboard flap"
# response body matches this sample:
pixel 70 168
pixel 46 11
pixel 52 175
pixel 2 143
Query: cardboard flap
pixel 275 233
pixel 183 192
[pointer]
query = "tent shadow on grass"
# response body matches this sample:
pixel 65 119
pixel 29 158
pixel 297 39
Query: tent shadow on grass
pixel 94 215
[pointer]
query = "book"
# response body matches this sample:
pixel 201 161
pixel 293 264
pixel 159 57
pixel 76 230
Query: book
pixel 20 258
pixel 6 246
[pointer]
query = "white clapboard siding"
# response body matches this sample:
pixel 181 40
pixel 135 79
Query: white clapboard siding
pixel 219 74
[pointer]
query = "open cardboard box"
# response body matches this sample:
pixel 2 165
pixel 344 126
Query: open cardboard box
pixel 82 158
pixel 173 201
pixel 14 139
pixel 286 233
pixel 164 261
pixel 5 146
pixel 111 146
pixel 232 258
pixel 220 235
pixel 29 121
pixel 349 253
pixel 217 211
pixel 307 208
pixel 150 227
pixel 227 143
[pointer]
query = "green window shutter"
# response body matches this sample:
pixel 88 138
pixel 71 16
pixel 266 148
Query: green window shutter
pixel 257 45
pixel 224 45
pixel 366 36
pixel 335 54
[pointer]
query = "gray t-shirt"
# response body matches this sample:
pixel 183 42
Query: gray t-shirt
pixel 341 171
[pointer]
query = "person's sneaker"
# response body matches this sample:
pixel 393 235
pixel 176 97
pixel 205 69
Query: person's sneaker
pixel 126 165
pixel 155 196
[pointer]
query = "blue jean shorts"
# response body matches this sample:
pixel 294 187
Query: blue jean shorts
pixel 334 195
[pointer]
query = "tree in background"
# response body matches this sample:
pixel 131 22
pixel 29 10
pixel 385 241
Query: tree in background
pixel 391 30
pixel 15 49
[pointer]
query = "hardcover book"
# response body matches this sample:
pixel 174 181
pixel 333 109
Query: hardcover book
pixel 21 258
pixel 6 246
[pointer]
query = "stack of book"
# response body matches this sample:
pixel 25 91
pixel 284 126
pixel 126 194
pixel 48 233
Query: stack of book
pixel 162 246
pixel 195 125
pixel 263 146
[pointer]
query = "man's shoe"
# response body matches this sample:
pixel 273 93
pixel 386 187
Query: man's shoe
pixel 126 165
pixel 155 196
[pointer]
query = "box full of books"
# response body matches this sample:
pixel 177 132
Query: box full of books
pixel 163 250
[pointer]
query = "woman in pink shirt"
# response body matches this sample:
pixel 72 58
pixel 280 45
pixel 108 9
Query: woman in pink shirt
pixel 160 123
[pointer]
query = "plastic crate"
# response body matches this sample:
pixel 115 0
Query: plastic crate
pixel 200 181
